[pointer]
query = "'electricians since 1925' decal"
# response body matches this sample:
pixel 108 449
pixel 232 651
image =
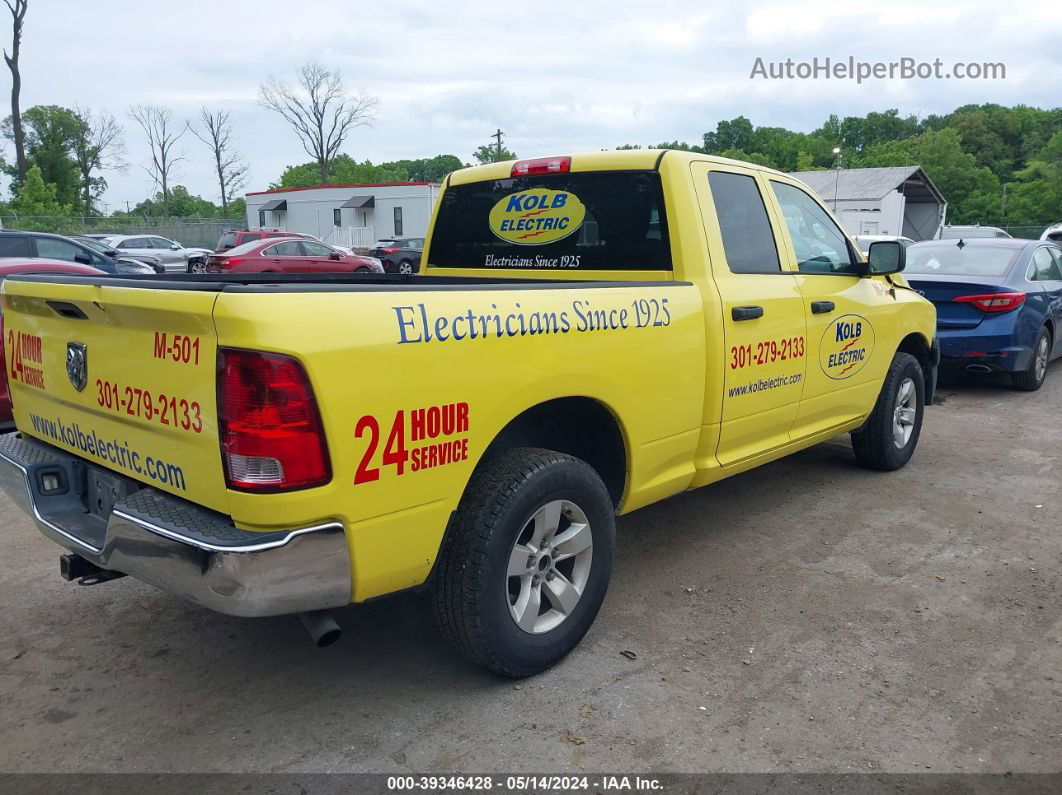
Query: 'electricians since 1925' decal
pixel 846 347
pixel 535 217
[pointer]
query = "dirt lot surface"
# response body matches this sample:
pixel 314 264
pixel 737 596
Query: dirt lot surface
pixel 807 616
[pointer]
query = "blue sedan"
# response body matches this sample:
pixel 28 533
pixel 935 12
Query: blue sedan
pixel 999 304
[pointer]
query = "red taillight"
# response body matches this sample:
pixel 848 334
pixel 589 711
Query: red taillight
pixel 388 251
pixel 993 302
pixel 272 438
pixel 542 165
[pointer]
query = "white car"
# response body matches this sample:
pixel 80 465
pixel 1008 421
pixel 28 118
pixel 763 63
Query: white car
pixel 1053 233
pixel 175 257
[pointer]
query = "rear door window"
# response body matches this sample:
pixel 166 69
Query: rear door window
pixel 288 248
pixel 53 248
pixel 11 246
pixel 1044 268
pixel 748 240
pixel 598 220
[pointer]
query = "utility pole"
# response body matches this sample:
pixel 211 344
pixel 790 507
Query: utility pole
pixel 498 147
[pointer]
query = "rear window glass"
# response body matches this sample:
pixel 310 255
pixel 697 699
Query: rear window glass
pixel 965 260
pixel 600 220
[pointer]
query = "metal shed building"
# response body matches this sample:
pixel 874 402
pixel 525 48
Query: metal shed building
pixel 881 201
pixel 346 215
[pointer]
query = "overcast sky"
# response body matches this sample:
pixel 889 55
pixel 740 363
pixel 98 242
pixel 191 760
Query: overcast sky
pixel 557 77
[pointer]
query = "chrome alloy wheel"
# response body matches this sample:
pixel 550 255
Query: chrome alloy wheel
pixel 903 419
pixel 551 558
pixel 1042 354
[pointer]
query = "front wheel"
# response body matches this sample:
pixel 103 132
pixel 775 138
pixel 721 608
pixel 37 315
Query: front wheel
pixel 526 561
pixel 197 266
pixel 888 439
pixel 1032 378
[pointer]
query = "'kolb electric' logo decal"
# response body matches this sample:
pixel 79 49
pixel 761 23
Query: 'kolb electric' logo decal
pixel 534 217
pixel 846 346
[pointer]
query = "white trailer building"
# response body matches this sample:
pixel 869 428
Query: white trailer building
pixel 898 201
pixel 346 215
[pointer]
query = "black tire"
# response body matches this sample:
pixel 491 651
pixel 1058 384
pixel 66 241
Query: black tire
pixel 406 264
pixel 874 444
pixel 1032 378
pixel 471 583
pixel 192 266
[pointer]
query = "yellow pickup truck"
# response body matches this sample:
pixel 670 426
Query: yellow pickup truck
pixel 591 334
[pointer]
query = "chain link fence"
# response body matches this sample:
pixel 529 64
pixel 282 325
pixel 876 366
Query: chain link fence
pixel 1029 232
pixel 195 232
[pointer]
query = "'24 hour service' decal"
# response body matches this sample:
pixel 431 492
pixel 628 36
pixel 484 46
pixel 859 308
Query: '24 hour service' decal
pixel 537 216
pixel 846 346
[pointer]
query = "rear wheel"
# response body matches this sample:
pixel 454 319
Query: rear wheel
pixel 1032 378
pixel 888 439
pixel 526 561
pixel 405 266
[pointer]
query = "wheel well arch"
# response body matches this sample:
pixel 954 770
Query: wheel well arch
pixel 917 345
pixel 581 427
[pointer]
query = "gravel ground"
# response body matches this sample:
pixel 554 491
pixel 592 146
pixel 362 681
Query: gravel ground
pixel 807 616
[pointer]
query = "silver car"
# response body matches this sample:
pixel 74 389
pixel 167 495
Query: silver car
pixel 174 256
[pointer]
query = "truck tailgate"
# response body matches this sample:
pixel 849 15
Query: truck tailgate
pixel 123 377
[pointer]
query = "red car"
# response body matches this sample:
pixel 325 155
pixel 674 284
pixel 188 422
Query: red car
pixel 8 267
pixel 237 237
pixel 289 255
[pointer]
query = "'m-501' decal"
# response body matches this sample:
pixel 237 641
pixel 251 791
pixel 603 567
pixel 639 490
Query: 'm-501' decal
pixel 418 439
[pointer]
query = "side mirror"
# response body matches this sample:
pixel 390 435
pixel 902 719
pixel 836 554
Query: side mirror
pixel 886 256
pixel 112 253
pixel 175 247
pixel 335 255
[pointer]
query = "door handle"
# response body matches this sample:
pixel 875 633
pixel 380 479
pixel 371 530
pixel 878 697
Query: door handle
pixel 746 312
pixel 821 307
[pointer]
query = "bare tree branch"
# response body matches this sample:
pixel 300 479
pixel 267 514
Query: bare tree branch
pixel 18 14
pixel 97 146
pixel 163 135
pixel 319 110
pixel 216 132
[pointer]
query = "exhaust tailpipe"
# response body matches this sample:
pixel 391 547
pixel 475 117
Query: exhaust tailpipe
pixel 322 627
pixel 978 368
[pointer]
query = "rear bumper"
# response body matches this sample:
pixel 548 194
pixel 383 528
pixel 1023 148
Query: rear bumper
pixel 177 546
pixel 994 345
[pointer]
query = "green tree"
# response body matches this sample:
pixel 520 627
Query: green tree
pixel 36 202
pixel 489 153
pixel 973 192
pixel 181 204
pixel 50 132
pixel 237 209
pixel 1036 197
pixel 344 170
pixel 733 134
pixel 425 169
pixel 750 157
